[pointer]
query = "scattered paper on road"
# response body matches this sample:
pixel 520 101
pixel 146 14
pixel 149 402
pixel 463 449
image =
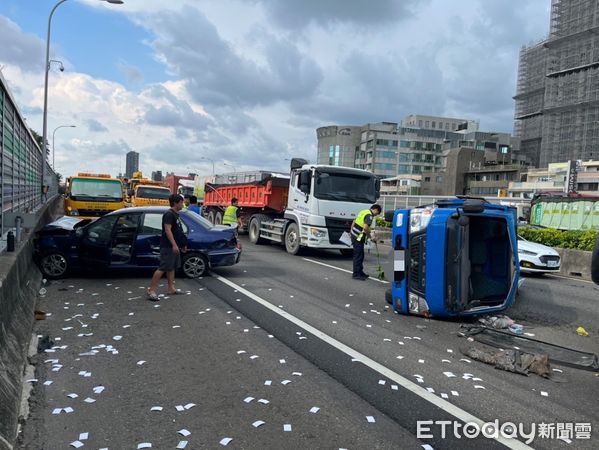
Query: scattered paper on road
pixel 98 389
pixel 89 400
pixel 285 382
pixel 314 409
pixel 258 423
pixel 267 383
pixel 184 432
pixel 77 444
pixel 83 436
pixel 263 401
pixel 156 408
pixel 181 444
pixel 225 441
pixel 189 405
pixel 287 427
pixel 144 445
pixel 370 419
pixel 449 374
pixel 248 399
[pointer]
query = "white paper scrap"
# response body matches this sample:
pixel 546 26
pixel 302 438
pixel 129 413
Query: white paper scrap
pixel 370 419
pixel 189 405
pixel 466 360
pixel 455 393
pixel 431 390
pixel 427 447
pixel 225 441
pixel 48 383
pixel 156 408
pixel 117 338
pixel 449 374
pixel 444 395
pixel 182 444
pixel 544 394
pixel 83 436
pixel 287 427
pixel 248 399
pixel 254 357
pixel 89 400
pixel 139 363
pixel 258 423
pixel 144 445
pixel 314 409
pixel 184 432
pixel 99 389
pixel 285 382
pixel 282 361
pixel 382 382
pixel 263 401
pixel 72 395
pixel 239 352
pixel 77 444
pixel 421 361
pixel 267 383
pixel 179 408
pixel 478 386
pixel 68 410
pixel 56 410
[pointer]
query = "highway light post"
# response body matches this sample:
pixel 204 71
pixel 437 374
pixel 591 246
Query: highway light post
pixel 53 149
pixel 231 166
pixel 46 72
pixel 212 161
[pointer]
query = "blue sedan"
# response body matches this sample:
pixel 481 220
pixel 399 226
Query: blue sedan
pixel 130 239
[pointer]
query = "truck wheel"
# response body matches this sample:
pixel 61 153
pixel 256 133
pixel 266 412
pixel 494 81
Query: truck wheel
pixel 595 263
pixel 254 229
pixel 346 251
pixel 292 239
pixel 218 218
pixel 210 216
pixel 194 265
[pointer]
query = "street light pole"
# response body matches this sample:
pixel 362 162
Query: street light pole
pixel 46 72
pixel 230 165
pixel 212 161
pixel 53 149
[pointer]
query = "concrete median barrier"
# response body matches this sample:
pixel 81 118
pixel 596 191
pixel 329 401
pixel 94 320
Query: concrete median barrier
pixel 19 284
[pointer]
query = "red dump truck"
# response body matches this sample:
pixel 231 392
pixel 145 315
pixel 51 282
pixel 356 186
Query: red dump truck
pixel 311 207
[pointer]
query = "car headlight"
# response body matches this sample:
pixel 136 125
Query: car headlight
pixel 74 212
pixel 315 232
pixel 417 304
pixel 419 218
pixel 526 252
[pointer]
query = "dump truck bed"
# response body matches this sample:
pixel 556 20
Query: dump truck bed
pixel 267 194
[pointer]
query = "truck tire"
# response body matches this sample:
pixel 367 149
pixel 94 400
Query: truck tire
pixel 254 228
pixel 218 218
pixel 210 216
pixel 292 239
pixel 595 263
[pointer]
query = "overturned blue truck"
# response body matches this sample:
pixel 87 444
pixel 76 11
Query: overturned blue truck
pixel 457 257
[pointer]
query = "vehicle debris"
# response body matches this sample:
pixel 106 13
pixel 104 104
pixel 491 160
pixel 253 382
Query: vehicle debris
pixel 511 360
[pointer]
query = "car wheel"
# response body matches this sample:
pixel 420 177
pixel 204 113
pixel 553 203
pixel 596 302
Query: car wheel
pixel 194 265
pixel 292 239
pixel 346 251
pixel 54 265
pixel 254 229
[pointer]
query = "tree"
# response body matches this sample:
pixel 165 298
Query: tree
pixel 39 140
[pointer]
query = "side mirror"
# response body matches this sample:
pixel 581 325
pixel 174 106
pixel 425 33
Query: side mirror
pixel 304 182
pixel 595 262
pixel 389 215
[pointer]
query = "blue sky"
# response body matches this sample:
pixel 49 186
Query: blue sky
pixel 247 82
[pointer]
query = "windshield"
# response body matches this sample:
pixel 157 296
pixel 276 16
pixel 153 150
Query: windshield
pixel 186 190
pixel 82 188
pixel 346 187
pixel 153 192
pixel 198 219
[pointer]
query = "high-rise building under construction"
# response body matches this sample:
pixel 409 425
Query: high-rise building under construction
pixel 557 98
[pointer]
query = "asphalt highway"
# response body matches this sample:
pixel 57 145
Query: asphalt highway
pixel 278 336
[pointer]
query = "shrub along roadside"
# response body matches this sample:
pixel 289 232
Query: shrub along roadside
pixel 580 240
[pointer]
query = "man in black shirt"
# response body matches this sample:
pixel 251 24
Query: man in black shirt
pixel 172 242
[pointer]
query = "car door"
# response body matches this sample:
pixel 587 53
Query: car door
pixel 96 240
pixel 147 246
pixel 122 249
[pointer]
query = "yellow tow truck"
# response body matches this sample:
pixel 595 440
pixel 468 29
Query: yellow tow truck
pixel 149 193
pixel 91 195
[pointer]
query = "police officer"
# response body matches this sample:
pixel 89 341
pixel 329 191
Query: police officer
pixel 360 231
pixel 230 217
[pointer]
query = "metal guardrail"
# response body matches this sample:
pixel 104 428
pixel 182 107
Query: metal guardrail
pixel 21 159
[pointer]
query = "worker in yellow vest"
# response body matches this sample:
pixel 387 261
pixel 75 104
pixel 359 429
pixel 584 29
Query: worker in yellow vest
pixel 231 215
pixel 360 232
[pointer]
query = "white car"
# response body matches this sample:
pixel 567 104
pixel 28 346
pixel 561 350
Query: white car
pixel 537 258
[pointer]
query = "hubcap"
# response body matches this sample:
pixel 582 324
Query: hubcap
pixel 194 267
pixel 54 265
pixel 292 238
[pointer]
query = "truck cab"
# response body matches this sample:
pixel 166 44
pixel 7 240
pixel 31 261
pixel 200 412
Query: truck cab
pixel 324 200
pixel 457 257
pixel 91 195
pixel 150 195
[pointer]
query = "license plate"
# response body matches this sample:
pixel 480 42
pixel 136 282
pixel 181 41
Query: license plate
pixel 552 263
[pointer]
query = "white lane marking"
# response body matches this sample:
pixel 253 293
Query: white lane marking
pixel 569 278
pixel 446 406
pixel 342 270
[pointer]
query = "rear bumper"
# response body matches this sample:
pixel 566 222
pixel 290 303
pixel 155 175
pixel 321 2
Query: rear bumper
pixel 225 258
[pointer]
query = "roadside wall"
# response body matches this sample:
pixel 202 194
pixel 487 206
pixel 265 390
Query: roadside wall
pixel 19 284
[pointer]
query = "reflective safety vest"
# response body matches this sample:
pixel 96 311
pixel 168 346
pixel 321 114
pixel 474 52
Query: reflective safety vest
pixel 230 216
pixel 357 230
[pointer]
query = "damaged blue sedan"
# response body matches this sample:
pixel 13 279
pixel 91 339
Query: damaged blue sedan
pixel 130 239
